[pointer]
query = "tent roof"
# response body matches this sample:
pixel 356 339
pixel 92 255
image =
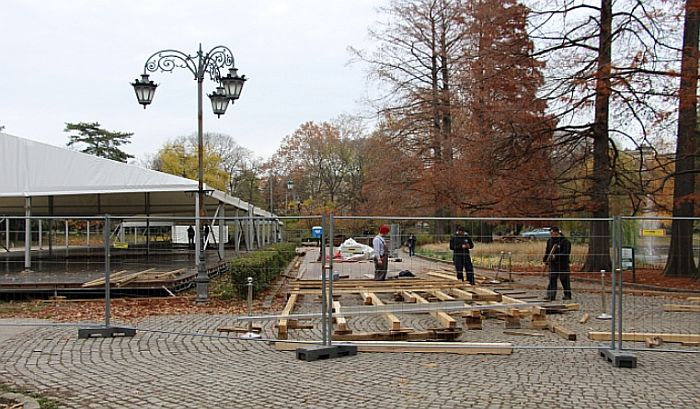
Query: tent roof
pixel 84 185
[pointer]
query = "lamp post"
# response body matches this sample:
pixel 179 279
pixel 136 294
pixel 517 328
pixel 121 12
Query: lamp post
pixel 228 90
pixel 269 182
pixel 290 186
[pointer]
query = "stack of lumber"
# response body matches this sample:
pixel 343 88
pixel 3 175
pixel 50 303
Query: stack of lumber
pixel 123 277
pixel 478 302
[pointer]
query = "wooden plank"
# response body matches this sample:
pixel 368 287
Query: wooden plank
pixel 374 290
pixel 463 348
pixel 130 277
pixel 584 318
pixel 282 324
pixel 158 276
pixel 474 296
pixel 563 332
pixel 681 308
pixel 522 333
pixel 642 336
pixel 367 283
pixel 444 318
pixel 408 296
pixel 239 329
pixel 482 292
pixel 441 275
pixel 101 281
pixel 693 299
pixel 393 320
pixel 512 321
pixel 441 295
pixel 340 321
pixel 432 335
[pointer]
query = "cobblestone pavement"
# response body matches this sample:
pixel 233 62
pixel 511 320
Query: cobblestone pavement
pixel 183 362
pixel 170 363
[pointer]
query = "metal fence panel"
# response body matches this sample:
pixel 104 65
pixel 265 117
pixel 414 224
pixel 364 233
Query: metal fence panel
pixel 658 312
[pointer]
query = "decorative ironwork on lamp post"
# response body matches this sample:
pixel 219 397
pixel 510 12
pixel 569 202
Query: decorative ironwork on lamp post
pixel 228 90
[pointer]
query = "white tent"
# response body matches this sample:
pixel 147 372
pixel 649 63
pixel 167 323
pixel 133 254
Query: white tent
pixel 62 182
pixel 37 179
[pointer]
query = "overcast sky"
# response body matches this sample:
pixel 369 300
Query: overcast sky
pixel 72 61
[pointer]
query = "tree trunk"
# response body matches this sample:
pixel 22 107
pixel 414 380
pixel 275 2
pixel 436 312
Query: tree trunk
pixel 680 262
pixel 598 257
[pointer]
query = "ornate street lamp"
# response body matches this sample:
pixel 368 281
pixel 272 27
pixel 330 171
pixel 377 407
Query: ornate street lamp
pixel 290 186
pixel 145 89
pixel 229 90
pixel 219 101
pixel 233 84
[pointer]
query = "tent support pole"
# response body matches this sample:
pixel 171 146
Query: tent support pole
pixel 51 226
pixel 148 224
pixel 27 233
pixel 197 232
pixel 222 228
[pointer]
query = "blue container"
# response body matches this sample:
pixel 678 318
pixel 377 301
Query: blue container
pixel 317 232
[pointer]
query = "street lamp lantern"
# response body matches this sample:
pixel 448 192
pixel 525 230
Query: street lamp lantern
pixel 290 186
pixel 228 89
pixel 233 83
pixel 219 101
pixel 145 90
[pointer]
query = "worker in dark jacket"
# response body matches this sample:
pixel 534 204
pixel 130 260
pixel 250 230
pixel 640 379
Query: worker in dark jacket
pixel 460 244
pixel 556 256
pixel 411 243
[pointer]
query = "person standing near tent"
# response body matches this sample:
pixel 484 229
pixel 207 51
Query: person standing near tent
pixel 411 242
pixel 190 237
pixel 556 255
pixel 460 244
pixel 381 253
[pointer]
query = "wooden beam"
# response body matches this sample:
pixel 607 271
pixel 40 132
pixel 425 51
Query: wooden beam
pixel 101 280
pixel 524 334
pixel 409 335
pixel 387 289
pixel 464 348
pixel 125 279
pixel 642 336
pixel 366 283
pixel 441 275
pixel 393 320
pixel 444 318
pixel 282 324
pixel 340 321
pixel 563 332
pixel 681 308
pixel 239 329
pixel 476 295
pixel 441 295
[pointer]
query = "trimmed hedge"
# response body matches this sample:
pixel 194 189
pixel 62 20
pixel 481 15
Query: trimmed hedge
pixel 263 265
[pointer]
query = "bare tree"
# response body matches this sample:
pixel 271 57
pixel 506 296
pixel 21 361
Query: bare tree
pixel 587 77
pixel 417 49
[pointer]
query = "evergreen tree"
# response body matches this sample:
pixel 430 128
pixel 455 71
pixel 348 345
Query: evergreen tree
pixel 97 141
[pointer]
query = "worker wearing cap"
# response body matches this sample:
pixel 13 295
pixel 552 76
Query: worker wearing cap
pixel 381 254
pixel 460 244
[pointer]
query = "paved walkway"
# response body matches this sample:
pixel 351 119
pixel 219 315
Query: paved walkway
pixel 182 362
pixel 176 368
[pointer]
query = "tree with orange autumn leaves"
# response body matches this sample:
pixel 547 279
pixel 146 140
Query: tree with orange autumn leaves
pixel 461 112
